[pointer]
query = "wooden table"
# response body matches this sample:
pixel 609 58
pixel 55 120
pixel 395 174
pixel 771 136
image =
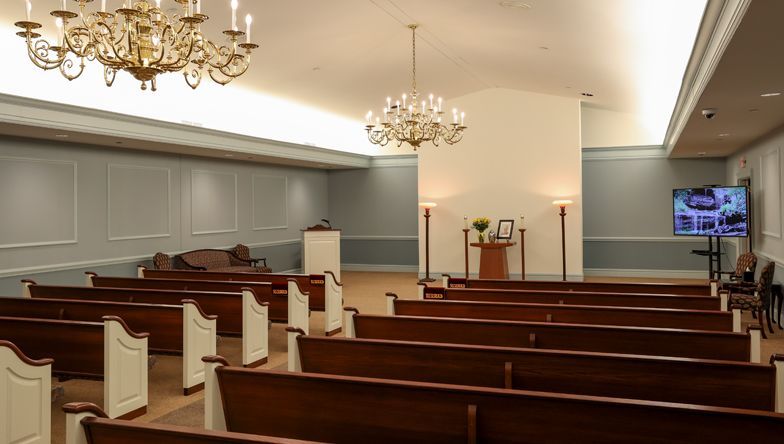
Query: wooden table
pixel 492 262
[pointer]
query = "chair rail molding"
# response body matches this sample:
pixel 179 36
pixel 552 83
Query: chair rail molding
pixel 643 239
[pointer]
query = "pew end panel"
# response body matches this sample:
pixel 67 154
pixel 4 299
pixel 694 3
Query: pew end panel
pixel 125 370
pixel 714 287
pixel 724 296
pixel 255 330
pixel 349 312
pixel 777 361
pixel 391 298
pixel 88 278
pixel 214 418
pixel 26 284
pixel 755 336
pixel 333 304
pixel 199 338
pixel 295 353
pixel 75 412
pixel 25 397
pixel 299 306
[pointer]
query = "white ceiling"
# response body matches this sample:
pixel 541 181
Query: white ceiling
pixel 344 57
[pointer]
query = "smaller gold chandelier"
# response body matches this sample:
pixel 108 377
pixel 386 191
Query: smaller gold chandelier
pixel 141 39
pixel 413 122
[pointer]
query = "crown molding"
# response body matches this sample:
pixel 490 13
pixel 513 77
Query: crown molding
pixel 25 111
pixel 719 23
pixel 401 160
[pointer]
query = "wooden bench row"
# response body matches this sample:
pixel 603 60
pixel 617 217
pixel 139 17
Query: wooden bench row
pixel 709 289
pixel 650 300
pixel 667 379
pixel 106 350
pixel 570 314
pixel 359 409
pixel 182 329
pixel 326 292
pixel 719 345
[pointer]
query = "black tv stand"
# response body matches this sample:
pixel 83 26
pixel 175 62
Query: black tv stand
pixel 714 257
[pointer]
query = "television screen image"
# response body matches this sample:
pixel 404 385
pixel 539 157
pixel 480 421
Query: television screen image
pixel 710 211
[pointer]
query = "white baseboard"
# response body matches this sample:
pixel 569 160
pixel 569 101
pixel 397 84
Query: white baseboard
pixel 629 272
pixel 380 268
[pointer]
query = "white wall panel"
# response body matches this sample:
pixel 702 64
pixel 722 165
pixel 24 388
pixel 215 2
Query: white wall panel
pixel 771 193
pixel 213 202
pixel 270 202
pixel 37 202
pixel 139 202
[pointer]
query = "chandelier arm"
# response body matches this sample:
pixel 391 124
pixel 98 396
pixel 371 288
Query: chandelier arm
pixel 196 74
pixel 109 75
pixel 39 51
pixel 68 64
pixel 224 51
pixel 218 80
pixel 234 74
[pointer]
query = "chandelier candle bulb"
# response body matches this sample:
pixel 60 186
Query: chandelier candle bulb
pixel 198 9
pixel 462 118
pixel 248 22
pixel 28 9
pixel 234 5
pixel 65 6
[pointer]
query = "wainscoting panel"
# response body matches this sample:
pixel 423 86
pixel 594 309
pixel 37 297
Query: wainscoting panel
pixel 215 210
pixel 139 203
pixel 270 202
pixel 770 177
pixel 38 202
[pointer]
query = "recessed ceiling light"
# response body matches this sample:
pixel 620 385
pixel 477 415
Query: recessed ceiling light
pixel 770 94
pixel 544 48
pixel 61 136
pixel 753 110
pixel 702 153
pixel 229 155
pixel 118 143
pixel 587 94
pixel 724 134
pixel 514 4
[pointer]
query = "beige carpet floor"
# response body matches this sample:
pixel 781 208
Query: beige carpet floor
pixel 365 291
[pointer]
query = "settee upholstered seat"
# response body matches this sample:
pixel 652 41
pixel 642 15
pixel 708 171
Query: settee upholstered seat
pixel 214 260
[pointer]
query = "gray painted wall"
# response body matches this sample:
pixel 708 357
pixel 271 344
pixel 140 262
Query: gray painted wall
pixel 627 206
pixel 377 210
pixel 167 226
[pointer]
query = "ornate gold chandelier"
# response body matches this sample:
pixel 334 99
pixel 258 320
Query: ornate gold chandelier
pixel 141 39
pixel 413 122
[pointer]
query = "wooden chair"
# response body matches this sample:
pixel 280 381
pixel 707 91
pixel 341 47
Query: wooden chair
pixel 243 252
pixel 746 261
pixel 755 297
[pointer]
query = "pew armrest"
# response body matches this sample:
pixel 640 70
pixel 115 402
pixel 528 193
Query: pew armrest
pixel 75 413
pixel 25 407
pixel 214 418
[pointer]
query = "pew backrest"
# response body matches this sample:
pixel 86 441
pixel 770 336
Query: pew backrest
pixel 651 300
pixel 690 381
pixel 25 397
pixel 710 289
pixel 325 291
pixel 86 423
pixel 697 344
pixel 577 314
pixel 386 411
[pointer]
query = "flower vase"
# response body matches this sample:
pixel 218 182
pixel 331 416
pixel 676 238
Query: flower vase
pixel 481 237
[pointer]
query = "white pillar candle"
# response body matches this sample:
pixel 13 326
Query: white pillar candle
pixel 248 21
pixel 59 23
pixel 465 222
pixel 234 5
pixel 522 221
pixel 28 9
pixel 462 118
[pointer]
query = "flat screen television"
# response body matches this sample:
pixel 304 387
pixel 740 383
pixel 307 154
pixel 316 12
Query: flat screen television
pixel 710 211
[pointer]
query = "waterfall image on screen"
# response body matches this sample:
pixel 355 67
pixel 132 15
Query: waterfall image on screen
pixel 714 211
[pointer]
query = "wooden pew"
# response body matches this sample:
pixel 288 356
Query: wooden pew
pixel 87 423
pixel 239 314
pixel 107 351
pixel 688 381
pixel 570 314
pixel 574 298
pixel 277 295
pixel 696 344
pixel 326 293
pixel 183 329
pixel 386 411
pixel 710 289
pixel 25 397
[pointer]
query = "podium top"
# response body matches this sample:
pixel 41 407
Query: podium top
pixel 490 245
pixel 320 227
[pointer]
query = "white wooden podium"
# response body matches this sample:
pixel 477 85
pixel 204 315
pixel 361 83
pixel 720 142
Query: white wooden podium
pixel 321 250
